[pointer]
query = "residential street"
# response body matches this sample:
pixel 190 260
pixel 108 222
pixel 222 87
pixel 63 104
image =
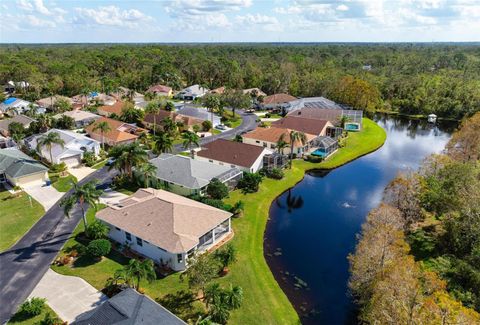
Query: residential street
pixel 23 265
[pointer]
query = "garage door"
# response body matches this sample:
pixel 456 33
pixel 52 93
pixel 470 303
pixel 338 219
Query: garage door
pixel 72 161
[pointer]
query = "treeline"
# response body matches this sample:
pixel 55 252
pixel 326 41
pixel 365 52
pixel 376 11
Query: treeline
pixel 411 79
pixel 417 260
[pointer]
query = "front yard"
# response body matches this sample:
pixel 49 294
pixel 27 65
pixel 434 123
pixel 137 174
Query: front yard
pixel 17 216
pixel 264 301
pixel 62 183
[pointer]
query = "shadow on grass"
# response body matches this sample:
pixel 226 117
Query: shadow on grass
pixel 20 317
pixel 181 303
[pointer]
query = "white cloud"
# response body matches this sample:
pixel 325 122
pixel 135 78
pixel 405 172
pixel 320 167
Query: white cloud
pixel 34 21
pixel 342 7
pixel 268 23
pixel 110 16
pixel 205 7
pixel 25 5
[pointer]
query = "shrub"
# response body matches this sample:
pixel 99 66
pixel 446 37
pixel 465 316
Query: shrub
pixel 275 173
pixel 99 247
pixel 89 158
pixel 196 128
pixel 226 255
pixel 58 168
pixel 217 190
pixel 49 319
pixel 268 115
pixel 250 182
pixel 237 209
pixel 206 125
pixel 32 307
pixel 228 124
pixel 97 230
pixel 313 159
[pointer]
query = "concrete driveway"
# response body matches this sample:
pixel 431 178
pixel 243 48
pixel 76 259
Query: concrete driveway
pixel 68 296
pixel 47 196
pixel 112 197
pixel 81 172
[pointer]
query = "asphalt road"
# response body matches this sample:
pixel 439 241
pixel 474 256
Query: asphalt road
pixel 23 265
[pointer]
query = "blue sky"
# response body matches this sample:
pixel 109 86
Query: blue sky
pixel 39 21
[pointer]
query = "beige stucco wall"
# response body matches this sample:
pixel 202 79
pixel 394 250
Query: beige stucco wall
pixel 29 179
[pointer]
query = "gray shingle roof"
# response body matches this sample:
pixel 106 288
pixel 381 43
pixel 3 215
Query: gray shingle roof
pixel 17 164
pixel 129 307
pixel 22 119
pixel 189 173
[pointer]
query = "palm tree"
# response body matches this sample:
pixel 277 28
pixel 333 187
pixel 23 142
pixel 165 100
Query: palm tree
pixel 138 271
pixel 127 157
pixel 82 194
pixel 43 122
pixel 163 142
pixel 153 108
pixel 190 139
pixel 169 106
pixel 146 170
pixel 296 136
pixel 103 127
pixel 169 126
pixel 281 144
pixel 48 140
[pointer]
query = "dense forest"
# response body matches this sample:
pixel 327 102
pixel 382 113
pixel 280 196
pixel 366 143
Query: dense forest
pixel 418 256
pixel 409 78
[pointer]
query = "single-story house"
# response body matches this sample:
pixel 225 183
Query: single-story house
pixel 332 115
pixel 49 102
pixel 7 142
pixel 269 137
pixel 79 101
pixel 71 153
pixel 257 91
pixel 101 98
pixel 199 113
pixel 129 307
pixel 22 119
pixel 246 157
pixel 277 101
pixel 166 227
pixel 19 169
pixel 137 98
pixel 11 86
pixel 192 92
pixel 15 106
pixel 108 110
pixel 81 118
pixel 188 121
pixel 187 176
pixel 160 90
pixel 120 132
pixel 305 125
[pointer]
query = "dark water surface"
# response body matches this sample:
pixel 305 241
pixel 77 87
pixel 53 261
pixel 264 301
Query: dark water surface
pixel 312 227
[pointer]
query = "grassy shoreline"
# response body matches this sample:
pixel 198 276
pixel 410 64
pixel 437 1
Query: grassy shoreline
pixel 264 300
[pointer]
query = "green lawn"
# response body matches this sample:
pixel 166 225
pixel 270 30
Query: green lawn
pixel 19 319
pixel 264 301
pixel 62 184
pixel 17 216
pixel 100 164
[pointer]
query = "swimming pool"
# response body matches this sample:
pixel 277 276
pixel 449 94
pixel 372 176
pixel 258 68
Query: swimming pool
pixel 319 153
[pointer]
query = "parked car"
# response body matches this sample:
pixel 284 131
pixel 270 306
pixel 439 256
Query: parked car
pixel 221 127
pixel 110 162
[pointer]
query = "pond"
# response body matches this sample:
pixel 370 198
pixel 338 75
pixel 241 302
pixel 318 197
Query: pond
pixel 313 226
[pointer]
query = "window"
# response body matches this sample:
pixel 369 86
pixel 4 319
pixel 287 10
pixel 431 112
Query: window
pixel 179 258
pixel 210 160
pixel 128 236
pixel 257 141
pixel 139 241
pixel 117 228
pixel 265 144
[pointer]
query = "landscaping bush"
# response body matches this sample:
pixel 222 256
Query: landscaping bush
pixel 58 168
pixel 226 255
pixel 237 209
pixel 217 190
pixel 206 125
pixel 250 182
pixel 268 115
pixel 50 319
pixel 32 307
pixel 99 247
pixel 313 159
pixel 89 158
pixel 228 124
pixel 275 173
pixel 97 230
pixel 196 128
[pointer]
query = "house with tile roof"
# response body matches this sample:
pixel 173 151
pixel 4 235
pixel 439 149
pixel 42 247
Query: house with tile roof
pixel 49 102
pixel 71 152
pixel 269 137
pixel 120 132
pixel 157 119
pixel 81 118
pixel 129 307
pixel 193 92
pixel 166 227
pixel 25 121
pixel 161 90
pixel 306 125
pixel 244 156
pixel 109 110
pixel 187 176
pixel 18 169
pixel 277 102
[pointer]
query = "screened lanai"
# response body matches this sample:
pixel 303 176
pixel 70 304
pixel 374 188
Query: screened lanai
pixel 325 147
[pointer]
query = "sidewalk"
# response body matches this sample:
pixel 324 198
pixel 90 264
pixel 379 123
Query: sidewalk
pixel 68 296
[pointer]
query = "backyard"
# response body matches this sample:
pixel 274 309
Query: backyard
pixel 264 301
pixel 17 215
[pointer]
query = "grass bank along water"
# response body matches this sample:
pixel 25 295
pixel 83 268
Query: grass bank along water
pixel 312 226
pixel 264 300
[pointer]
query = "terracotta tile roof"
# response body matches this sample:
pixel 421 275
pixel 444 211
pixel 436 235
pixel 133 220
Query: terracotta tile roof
pixel 332 115
pixel 186 120
pixel 120 131
pixel 159 89
pixel 231 152
pixel 258 90
pixel 273 134
pixel 113 109
pixel 167 220
pixel 278 99
pixel 305 125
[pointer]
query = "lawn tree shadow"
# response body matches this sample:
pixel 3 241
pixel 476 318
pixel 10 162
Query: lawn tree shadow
pixel 20 317
pixel 181 303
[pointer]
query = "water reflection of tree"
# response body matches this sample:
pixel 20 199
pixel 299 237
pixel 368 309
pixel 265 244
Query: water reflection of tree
pixel 293 202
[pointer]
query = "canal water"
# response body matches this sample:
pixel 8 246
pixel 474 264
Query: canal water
pixel 313 226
